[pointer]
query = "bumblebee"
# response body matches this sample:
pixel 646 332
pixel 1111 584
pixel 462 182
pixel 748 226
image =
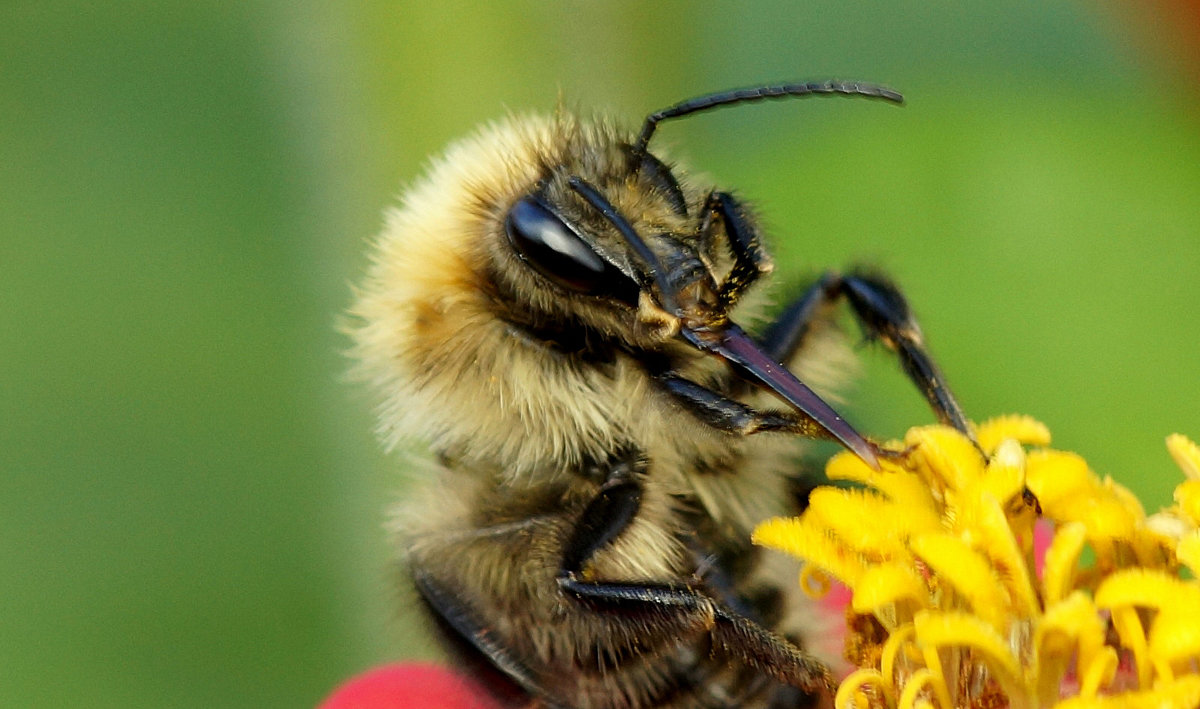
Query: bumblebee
pixel 550 309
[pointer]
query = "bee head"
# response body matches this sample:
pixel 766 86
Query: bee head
pixel 572 232
pixel 649 257
pixel 663 284
pixel 654 285
pixel 638 284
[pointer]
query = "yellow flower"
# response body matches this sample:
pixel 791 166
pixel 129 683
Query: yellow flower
pixel 949 609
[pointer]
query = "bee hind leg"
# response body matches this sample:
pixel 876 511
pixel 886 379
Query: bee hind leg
pixel 884 315
pixel 671 610
pixel 481 654
pixel 678 610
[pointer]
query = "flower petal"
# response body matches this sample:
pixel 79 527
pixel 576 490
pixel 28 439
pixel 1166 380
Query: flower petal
pixel 804 540
pixel 948 455
pixel 1186 454
pixel 889 585
pixel 1023 429
pixel 1069 630
pixel 1062 562
pixel 968 571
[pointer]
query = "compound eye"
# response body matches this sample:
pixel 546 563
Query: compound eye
pixel 556 251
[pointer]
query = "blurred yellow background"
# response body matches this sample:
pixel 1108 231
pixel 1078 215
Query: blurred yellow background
pixel 192 500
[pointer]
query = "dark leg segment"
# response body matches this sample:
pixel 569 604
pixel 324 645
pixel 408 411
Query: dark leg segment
pixel 749 259
pixel 477 648
pixel 606 516
pixel 680 610
pixel 732 416
pixel 885 316
pixel 672 610
pixel 784 336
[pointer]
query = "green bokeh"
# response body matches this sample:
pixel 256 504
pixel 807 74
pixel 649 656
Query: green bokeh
pixel 192 502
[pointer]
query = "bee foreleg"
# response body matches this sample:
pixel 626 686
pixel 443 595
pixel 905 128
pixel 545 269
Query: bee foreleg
pixel 725 414
pixel 885 316
pixel 749 259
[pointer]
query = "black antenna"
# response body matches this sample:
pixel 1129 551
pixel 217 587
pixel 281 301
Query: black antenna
pixel 601 204
pixel 759 93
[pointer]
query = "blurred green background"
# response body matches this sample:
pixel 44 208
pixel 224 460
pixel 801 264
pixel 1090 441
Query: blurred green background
pixel 192 500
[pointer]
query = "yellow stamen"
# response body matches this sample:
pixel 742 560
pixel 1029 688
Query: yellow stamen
pixel 853 516
pixel 946 630
pixel 1188 552
pixel 814 582
pixel 921 682
pixel 1187 496
pixel 1004 476
pixel 889 585
pixel 1133 637
pixel 991 532
pixel 1098 673
pixel 1072 628
pixel 800 539
pixel 852 690
pixel 1057 479
pixel 1183 693
pixel 945 453
pixel 893 658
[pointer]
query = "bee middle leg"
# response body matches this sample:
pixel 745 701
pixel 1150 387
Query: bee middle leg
pixel 877 303
pixel 726 414
pixel 671 609
pixel 885 316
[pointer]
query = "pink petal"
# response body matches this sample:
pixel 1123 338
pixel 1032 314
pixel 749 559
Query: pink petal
pixel 837 600
pixel 1043 533
pixel 408 686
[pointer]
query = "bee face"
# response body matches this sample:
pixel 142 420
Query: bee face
pixel 630 268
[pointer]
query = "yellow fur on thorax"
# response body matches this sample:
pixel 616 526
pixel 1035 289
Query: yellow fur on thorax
pixel 454 374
